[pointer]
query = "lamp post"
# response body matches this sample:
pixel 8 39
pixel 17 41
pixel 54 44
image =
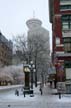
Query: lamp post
pixel 32 68
pixel 35 75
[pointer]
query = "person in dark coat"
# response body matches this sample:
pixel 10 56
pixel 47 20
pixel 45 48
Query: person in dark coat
pixel 41 88
pixel 17 92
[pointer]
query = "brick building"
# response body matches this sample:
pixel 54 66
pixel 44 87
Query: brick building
pixel 60 17
pixel 5 51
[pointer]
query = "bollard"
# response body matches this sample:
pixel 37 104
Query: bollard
pixel 41 91
pixel 24 93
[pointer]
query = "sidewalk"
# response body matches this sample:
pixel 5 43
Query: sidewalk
pixel 46 100
pixel 48 90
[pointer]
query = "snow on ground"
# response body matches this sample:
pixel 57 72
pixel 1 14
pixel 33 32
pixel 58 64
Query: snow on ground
pixel 47 96
pixel 21 97
pixel 10 95
pixel 65 98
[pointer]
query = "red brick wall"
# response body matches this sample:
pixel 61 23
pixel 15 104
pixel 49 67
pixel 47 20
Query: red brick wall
pixel 58 27
pixel 66 12
pixel 56 6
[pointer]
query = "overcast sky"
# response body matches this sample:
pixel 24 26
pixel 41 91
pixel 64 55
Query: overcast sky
pixel 15 13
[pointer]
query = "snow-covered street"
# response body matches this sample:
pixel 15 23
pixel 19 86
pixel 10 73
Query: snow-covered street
pixel 47 100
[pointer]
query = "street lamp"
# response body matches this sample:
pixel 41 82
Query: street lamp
pixel 35 76
pixel 32 68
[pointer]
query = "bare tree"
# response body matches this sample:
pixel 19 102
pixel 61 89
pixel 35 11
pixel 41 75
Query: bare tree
pixel 20 44
pixel 38 46
pixel 35 48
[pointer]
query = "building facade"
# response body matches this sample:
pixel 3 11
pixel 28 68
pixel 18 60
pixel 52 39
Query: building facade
pixel 17 57
pixel 5 51
pixel 60 17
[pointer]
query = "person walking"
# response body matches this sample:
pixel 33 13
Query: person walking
pixel 41 87
pixel 17 92
pixel 50 83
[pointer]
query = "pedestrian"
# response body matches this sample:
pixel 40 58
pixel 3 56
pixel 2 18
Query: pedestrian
pixel 50 83
pixel 24 92
pixel 41 89
pixel 17 92
pixel 55 82
pixel 22 89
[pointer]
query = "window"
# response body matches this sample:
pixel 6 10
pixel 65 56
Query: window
pixel 67 44
pixel 57 40
pixel 65 7
pixel 68 64
pixel 64 0
pixel 66 22
pixel 67 47
pixel 67 40
pixel 65 25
